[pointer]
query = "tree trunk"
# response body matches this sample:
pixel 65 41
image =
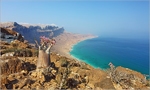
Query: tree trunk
pixel 43 59
pixel 44 52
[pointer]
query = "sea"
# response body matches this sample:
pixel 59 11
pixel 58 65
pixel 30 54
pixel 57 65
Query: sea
pixel 99 52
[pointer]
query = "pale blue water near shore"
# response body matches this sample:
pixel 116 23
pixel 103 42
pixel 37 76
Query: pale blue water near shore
pixel 98 52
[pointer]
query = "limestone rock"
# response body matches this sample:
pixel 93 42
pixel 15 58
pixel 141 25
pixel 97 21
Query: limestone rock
pixel 10 54
pixel 4 81
pixel 53 72
pixel 24 82
pixel 34 74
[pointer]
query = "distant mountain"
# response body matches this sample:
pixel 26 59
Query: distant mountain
pixel 32 32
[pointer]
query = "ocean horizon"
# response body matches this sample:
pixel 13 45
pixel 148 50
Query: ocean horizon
pixel 99 52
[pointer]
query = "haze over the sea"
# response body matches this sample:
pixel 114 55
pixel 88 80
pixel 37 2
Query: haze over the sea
pixel 110 18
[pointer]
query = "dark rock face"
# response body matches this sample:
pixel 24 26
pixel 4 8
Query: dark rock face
pixel 31 33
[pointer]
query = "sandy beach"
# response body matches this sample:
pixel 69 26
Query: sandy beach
pixel 65 42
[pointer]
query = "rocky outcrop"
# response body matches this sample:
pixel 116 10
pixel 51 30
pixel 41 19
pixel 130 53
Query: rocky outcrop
pixel 32 32
pixel 14 65
pixel 16 48
pixel 127 78
pixel 10 35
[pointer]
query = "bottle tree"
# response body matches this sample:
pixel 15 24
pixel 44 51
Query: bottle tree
pixel 44 60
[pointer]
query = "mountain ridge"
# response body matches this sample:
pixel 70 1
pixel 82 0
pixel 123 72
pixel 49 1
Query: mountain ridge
pixel 31 32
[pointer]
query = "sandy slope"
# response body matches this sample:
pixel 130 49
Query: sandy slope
pixel 65 41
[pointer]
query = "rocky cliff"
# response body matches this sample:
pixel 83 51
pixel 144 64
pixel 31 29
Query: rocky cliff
pixel 32 32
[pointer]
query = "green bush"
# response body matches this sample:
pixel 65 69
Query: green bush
pixel 9 50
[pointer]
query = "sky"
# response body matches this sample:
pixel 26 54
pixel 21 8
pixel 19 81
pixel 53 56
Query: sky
pixel 110 18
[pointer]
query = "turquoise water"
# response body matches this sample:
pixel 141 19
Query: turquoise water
pixel 98 52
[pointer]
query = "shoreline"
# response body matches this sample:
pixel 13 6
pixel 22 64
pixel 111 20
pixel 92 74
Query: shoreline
pixel 66 41
pixel 81 41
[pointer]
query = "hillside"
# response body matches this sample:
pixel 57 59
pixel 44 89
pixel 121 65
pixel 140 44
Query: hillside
pixel 18 71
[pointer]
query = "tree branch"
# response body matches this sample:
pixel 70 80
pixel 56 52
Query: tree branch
pixel 36 43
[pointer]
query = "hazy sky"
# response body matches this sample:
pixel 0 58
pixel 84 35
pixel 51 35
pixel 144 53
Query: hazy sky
pixel 128 18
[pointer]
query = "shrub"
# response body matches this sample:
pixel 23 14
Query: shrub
pixel 14 45
pixel 72 83
pixel 28 53
pixel 9 50
pixel 64 63
pixel 23 52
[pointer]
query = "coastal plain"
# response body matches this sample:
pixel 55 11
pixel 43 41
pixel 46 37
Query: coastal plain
pixel 66 41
